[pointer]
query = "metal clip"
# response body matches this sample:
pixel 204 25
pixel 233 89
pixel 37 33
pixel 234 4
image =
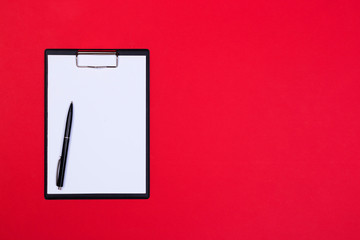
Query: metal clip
pixel 114 53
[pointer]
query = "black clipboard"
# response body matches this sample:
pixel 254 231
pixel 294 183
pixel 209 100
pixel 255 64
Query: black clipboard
pixel 134 182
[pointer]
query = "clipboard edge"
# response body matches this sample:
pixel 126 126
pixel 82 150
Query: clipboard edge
pixel 120 52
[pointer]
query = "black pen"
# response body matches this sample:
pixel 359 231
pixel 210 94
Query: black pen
pixel 60 172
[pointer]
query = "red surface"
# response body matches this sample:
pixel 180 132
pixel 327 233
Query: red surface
pixel 254 119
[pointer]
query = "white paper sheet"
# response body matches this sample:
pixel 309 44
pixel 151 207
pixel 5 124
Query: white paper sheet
pixel 107 152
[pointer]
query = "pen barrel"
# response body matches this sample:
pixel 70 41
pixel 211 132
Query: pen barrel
pixel 60 180
pixel 61 175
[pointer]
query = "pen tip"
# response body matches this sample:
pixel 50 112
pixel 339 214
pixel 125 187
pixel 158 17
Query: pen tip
pixel 59 188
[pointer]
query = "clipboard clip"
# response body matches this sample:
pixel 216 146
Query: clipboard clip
pixel 107 56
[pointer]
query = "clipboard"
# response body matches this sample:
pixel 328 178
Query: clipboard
pixel 109 150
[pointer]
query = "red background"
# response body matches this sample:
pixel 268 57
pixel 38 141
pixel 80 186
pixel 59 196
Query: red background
pixel 254 118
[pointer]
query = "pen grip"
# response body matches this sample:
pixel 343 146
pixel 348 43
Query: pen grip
pixel 60 180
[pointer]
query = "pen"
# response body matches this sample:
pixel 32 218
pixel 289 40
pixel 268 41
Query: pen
pixel 60 172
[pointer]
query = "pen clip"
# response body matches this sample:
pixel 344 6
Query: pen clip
pixel 58 170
